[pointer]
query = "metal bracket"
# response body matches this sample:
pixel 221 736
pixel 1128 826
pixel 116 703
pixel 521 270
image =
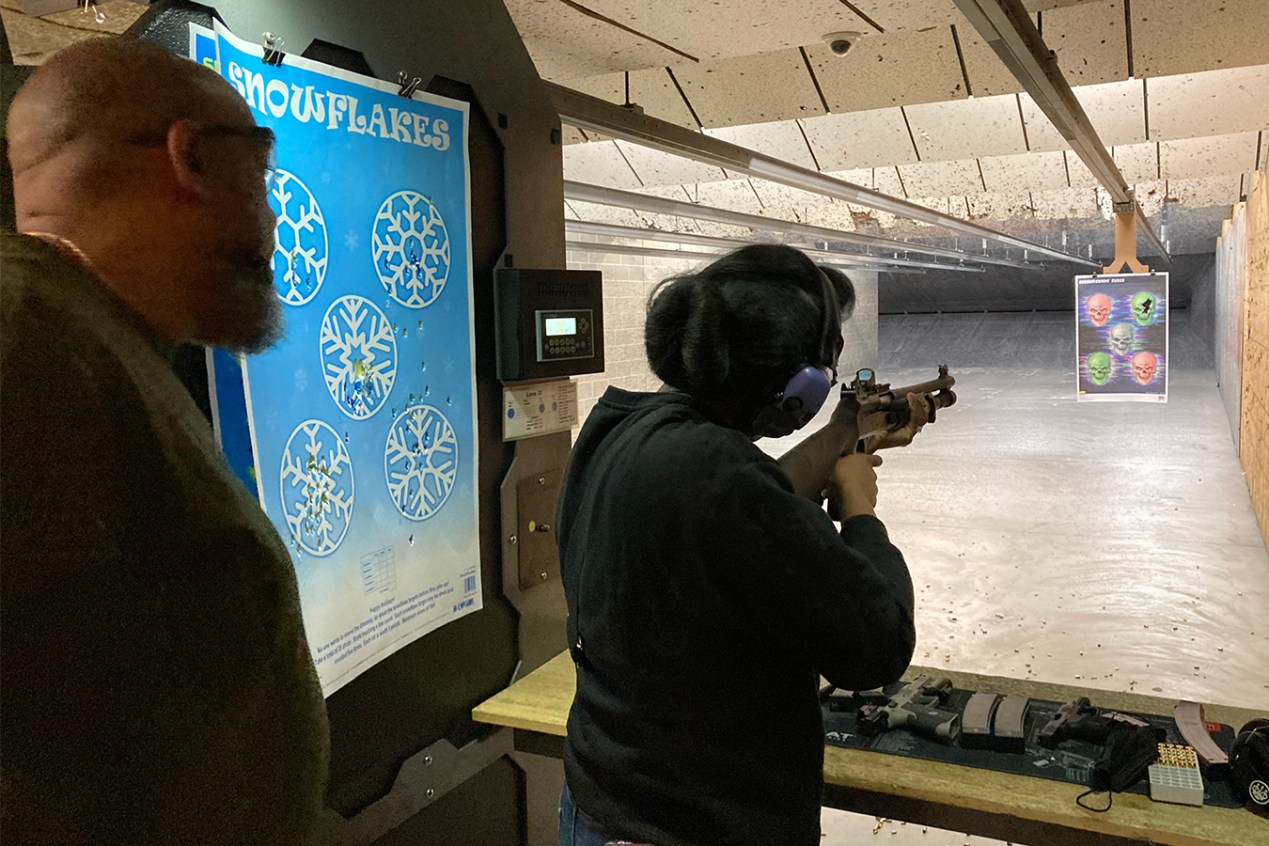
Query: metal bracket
pixel 422 780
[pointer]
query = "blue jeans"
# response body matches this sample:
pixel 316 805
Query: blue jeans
pixel 576 829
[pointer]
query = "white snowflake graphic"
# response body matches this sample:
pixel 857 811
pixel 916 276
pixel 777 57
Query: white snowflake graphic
pixel 300 247
pixel 317 487
pixel 359 356
pixel 411 249
pixel 420 461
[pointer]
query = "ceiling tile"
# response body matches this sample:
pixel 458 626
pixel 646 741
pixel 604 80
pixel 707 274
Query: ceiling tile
pixel 888 70
pixel 736 194
pixel 886 180
pixel 963 129
pixel 726 28
pixel 909 14
pixel 566 44
pixel 1064 203
pixel 651 89
pixel 942 205
pixel 606 214
pixel 1137 162
pixel 1025 172
pixel 782 140
pixel 1215 102
pixel 860 139
pixel 750 89
pixel 987 74
pixel 862 176
pixel 831 216
pixel 775 194
pixel 1078 173
pixel 1041 135
pixel 1117 110
pixel 1180 36
pixel 1217 155
pixel 598 163
pixel 938 179
pixel 657 168
pixel 656 92
pixel 1089 41
pixel 1208 191
pixel 1150 194
pixel 1000 206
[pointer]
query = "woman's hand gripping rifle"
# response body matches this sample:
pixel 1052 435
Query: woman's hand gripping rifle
pixel 868 417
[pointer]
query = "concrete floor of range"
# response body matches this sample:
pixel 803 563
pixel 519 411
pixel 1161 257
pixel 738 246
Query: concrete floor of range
pixel 1109 545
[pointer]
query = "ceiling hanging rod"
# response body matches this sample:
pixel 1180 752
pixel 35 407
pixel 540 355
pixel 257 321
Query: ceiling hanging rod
pixel 585 193
pixel 1006 25
pixel 863 260
pixel 592 113
pixel 832 259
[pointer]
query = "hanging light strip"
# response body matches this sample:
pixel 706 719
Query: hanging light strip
pixel 833 259
pixel 582 192
pixel 592 113
pixel 612 230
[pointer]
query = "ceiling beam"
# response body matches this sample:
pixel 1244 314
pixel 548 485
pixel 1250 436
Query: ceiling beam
pixel 1006 25
pixel 600 195
pixel 630 124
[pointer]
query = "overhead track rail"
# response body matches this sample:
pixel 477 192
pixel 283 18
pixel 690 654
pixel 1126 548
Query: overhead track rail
pixel 585 193
pixel 600 116
pixel 832 259
pixel 1006 25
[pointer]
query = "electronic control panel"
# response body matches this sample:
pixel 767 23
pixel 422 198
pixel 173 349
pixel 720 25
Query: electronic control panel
pixel 550 323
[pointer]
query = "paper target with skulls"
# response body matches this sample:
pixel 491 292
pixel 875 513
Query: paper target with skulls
pixel 359 356
pixel 420 461
pixel 301 247
pixel 411 249
pixel 1122 337
pixel 317 488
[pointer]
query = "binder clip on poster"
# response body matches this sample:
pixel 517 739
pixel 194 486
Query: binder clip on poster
pixel 273 54
pixel 408 85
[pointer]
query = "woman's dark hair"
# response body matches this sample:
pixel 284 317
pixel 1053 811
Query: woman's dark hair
pixel 744 322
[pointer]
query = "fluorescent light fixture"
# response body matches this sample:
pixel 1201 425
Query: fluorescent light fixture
pixel 585 193
pixel 833 259
pixel 612 230
pixel 598 115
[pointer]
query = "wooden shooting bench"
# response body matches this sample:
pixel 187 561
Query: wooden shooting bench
pixel 1020 809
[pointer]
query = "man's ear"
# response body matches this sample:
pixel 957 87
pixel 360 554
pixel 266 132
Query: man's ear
pixel 182 149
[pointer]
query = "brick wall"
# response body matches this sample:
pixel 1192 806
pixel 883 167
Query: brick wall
pixel 628 282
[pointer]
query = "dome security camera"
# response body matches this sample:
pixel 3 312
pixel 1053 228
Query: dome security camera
pixel 841 42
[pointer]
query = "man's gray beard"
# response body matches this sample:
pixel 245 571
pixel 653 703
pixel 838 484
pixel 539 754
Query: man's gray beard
pixel 253 318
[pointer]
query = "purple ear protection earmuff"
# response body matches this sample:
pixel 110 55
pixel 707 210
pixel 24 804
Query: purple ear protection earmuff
pixel 792 406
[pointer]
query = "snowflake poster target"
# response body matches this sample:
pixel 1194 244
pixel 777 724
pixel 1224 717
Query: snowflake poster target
pixel 1121 337
pixel 317 487
pixel 359 356
pixel 420 461
pixel 373 264
pixel 411 249
pixel 300 251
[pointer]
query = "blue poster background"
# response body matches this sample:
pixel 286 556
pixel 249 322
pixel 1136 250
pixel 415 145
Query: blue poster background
pixel 361 422
pixel 1121 337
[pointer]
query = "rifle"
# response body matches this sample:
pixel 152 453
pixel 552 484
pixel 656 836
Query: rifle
pixel 884 409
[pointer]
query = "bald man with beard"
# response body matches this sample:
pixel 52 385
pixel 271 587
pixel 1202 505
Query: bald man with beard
pixel 156 683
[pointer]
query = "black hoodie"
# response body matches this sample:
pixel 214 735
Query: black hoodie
pixel 705 598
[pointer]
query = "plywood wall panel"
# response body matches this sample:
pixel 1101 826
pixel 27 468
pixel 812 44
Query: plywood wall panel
pixel 1254 431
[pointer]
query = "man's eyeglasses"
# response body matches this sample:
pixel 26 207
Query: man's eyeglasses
pixel 260 135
